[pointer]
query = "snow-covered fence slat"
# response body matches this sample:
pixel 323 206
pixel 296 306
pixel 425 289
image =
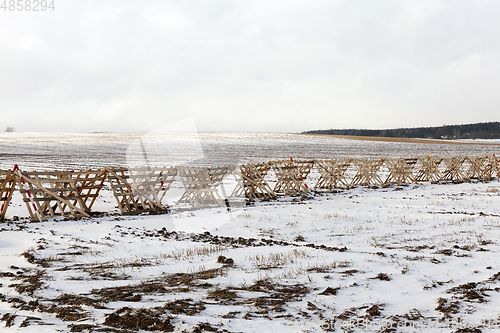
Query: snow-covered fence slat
pixel 400 170
pixel 367 172
pixel 332 174
pixel 251 182
pixel 289 179
pixel 199 185
pixel 51 193
pixel 140 190
pixel 7 186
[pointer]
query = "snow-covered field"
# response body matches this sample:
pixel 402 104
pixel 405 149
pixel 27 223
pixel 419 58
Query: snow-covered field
pixel 96 150
pixel 423 257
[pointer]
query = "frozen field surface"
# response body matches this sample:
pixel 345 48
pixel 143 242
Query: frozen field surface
pixel 96 150
pixel 416 258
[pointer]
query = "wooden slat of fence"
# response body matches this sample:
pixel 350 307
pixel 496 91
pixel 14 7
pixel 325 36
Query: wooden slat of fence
pixel 217 174
pixel 129 202
pixel 154 181
pixel 7 186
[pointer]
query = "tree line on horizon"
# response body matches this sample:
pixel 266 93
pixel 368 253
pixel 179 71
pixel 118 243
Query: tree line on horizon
pixel 489 130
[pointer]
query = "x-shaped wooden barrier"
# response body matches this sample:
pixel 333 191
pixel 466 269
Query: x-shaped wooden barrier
pixel 200 185
pixel 483 168
pixel 367 172
pixel 251 182
pixel 400 170
pixel 332 174
pixel 139 190
pixel 429 170
pixel 51 193
pixel 454 170
pixel 290 180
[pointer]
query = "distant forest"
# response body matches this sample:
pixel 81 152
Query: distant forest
pixel 489 130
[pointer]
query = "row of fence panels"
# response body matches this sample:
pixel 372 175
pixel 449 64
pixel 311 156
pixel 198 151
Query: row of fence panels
pixel 138 190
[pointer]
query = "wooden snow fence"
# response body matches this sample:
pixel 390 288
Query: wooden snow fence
pixel 89 184
pixel 482 168
pixel 332 174
pixel 140 190
pixel 51 193
pixel 400 170
pixel 303 167
pixel 217 174
pixel 200 185
pixel 490 169
pixel 454 171
pixel 7 186
pixel 475 167
pixel 429 170
pixel 290 176
pixel 367 172
pixel 251 182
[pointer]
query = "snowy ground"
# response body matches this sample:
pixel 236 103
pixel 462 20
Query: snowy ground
pixel 423 257
pixel 96 150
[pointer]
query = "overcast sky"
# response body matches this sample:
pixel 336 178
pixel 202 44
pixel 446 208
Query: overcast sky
pixel 284 66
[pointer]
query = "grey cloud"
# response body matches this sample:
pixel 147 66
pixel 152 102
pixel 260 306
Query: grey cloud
pixel 253 65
